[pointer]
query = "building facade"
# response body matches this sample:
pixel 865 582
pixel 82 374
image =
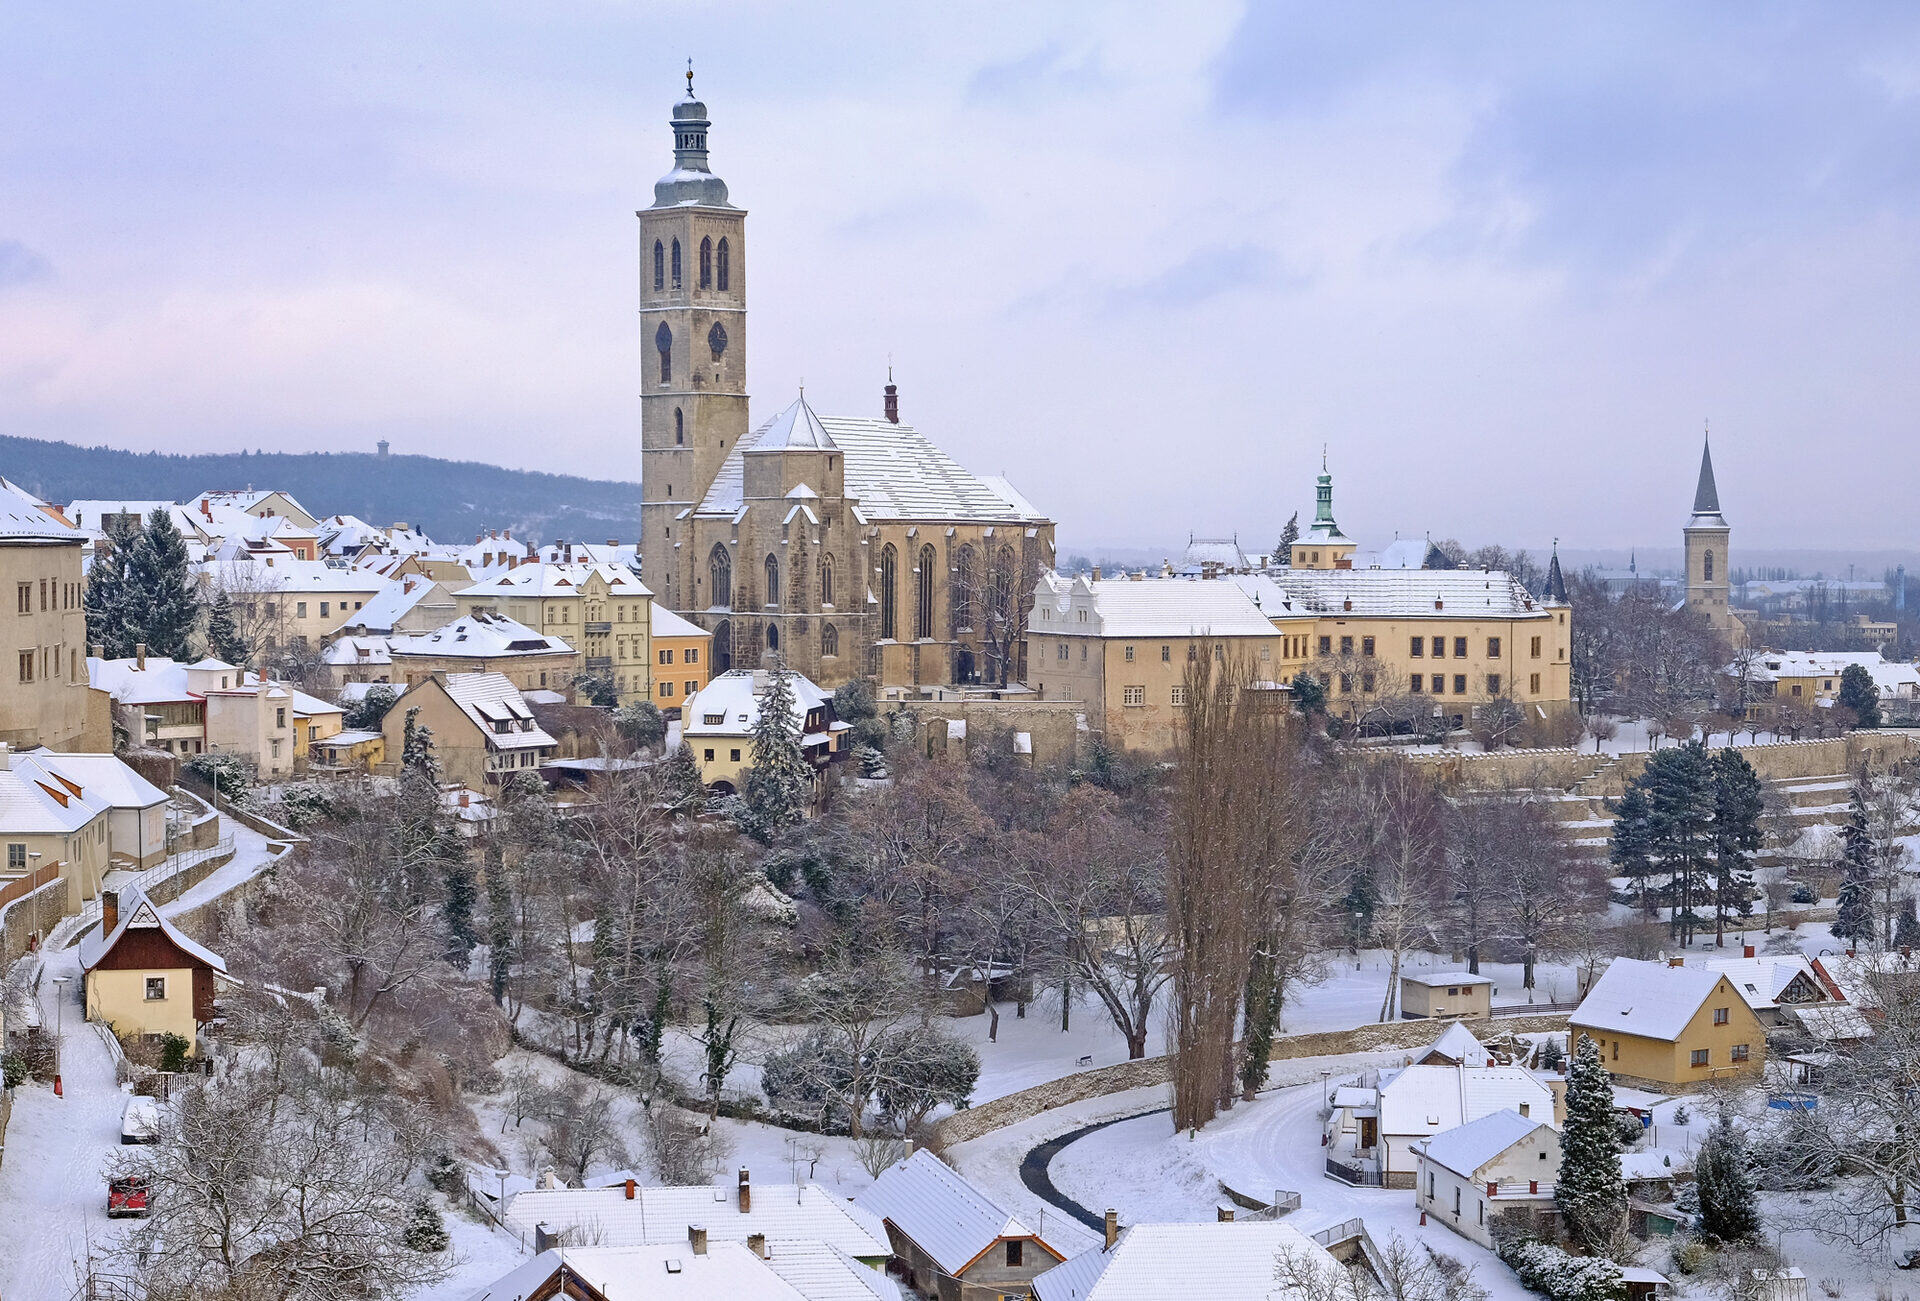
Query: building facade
pixel 44 699
pixel 1707 539
pixel 602 611
pixel 842 546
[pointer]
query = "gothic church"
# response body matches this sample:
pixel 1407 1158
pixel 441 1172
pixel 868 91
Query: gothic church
pixel 843 545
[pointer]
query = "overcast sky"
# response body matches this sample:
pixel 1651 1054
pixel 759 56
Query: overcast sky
pixel 1503 260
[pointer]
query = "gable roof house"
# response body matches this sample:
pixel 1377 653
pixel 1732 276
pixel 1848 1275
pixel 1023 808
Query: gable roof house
pixel 143 975
pixel 718 724
pixel 1474 1172
pixel 945 1230
pixel 480 642
pixel 1420 1101
pixel 694 1269
pixel 1674 1026
pixel 483 729
pixel 1221 1262
pixel 67 817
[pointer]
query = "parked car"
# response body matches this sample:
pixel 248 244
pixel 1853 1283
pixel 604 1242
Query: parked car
pixel 140 1121
pixel 129 1195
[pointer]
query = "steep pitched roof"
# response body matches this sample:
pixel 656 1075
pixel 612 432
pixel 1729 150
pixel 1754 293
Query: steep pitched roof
pixel 24 519
pixel 1431 1099
pixel 795 429
pixel 489 699
pixel 137 912
pixel 477 636
pixel 1222 1262
pixel 950 1219
pixel 1465 1148
pixel 1457 1044
pixel 1706 494
pixel 1650 999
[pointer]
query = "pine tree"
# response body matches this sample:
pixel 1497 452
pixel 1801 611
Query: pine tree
pixel 780 782
pixel 682 788
pixel 1680 790
pixel 416 748
pixel 1590 1193
pixel 457 906
pixel 223 634
pixel 1858 694
pixel 1736 834
pixel 1855 920
pixel 1631 853
pixel 158 580
pixel 426 1231
pixel 499 925
pixel 106 598
pixel 1724 1186
pixel 1289 534
pixel 1906 930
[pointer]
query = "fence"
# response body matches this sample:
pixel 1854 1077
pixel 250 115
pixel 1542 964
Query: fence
pixel 1340 1232
pixel 151 879
pixel 1354 1175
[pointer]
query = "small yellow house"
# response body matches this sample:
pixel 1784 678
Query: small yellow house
pixel 719 722
pixel 682 658
pixel 1445 994
pixel 142 976
pixel 1673 1025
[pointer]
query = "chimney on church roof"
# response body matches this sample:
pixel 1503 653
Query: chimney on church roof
pixel 893 399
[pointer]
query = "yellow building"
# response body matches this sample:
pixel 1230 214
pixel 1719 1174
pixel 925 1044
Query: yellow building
pixel 1672 1025
pixel 291 601
pixel 602 611
pixel 482 642
pixel 718 723
pixel 143 976
pixel 484 731
pixel 682 658
pixel 1445 994
pixel 43 681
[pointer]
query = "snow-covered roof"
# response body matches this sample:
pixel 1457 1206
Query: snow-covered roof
pixel 490 699
pixel 794 429
pixel 90 514
pixel 24 518
pixel 894 470
pixel 1210 553
pixel 291 576
pixel 1465 1148
pixel 478 636
pixel 353 650
pixel 1222 1262
pixel 784 1212
pixel 553 580
pixel 1401 553
pixel 102 777
pixel 951 1220
pixel 727 1271
pixel 1145 607
pixel 1458 1044
pixel 1649 999
pixel 34 801
pixel 162 681
pixel 668 624
pixel 1411 593
pixel 1893 680
pixel 137 912
pixel 1760 981
pixel 1432 978
pixel 730 704
pixel 1432 1099
pixel 393 603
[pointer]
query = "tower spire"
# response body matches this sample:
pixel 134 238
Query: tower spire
pixel 1706 494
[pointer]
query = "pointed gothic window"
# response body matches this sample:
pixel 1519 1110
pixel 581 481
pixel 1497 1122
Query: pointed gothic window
pixel 1709 567
pixel 676 264
pixel 960 599
pixel 679 428
pixel 659 265
pixel 889 611
pixel 717 340
pixel 829 639
pixel 720 570
pixel 721 275
pixel 773 580
pixel 663 343
pixel 923 594
pixel 706 263
pixel 826 580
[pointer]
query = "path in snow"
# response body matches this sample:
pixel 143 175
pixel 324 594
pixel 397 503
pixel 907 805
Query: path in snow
pixel 251 856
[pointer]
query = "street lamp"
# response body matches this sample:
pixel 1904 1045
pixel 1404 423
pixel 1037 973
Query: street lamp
pixel 59 1027
pixel 1323 1089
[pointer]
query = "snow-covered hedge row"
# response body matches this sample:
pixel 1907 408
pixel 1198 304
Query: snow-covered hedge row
pixel 1562 1277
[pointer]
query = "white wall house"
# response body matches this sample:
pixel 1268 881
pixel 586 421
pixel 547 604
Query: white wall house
pixel 1474 1172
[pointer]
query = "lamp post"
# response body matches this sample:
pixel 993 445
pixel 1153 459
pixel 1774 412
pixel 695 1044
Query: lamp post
pixel 1323 1089
pixel 59 1028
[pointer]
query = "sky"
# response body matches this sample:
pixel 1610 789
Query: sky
pixel 1504 262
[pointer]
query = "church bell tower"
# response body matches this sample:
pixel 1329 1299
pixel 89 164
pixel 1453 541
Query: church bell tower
pixel 693 347
pixel 1707 536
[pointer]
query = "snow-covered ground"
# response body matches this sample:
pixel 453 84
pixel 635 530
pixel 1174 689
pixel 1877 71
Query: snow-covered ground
pixel 1634 736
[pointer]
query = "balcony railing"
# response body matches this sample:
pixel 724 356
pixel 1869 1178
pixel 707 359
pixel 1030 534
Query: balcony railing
pixel 598 629
pixel 599 662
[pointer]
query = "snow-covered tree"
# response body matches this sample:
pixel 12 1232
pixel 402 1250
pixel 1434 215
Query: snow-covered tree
pixel 367 713
pixel 1590 1192
pixel 223 633
pixel 159 586
pixel 1724 1186
pixel 1289 534
pixel 110 624
pixel 640 724
pixel 426 1231
pixel 1738 803
pixel 779 785
pixel 1854 918
pixel 1631 851
pixel 1859 694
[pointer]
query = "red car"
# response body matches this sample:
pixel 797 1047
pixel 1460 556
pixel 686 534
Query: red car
pixel 129 1195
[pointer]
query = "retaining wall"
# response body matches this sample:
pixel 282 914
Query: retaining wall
pixel 35 913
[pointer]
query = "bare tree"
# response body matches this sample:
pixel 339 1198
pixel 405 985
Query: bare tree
pixel 1404 862
pixel 582 1128
pixel 1543 895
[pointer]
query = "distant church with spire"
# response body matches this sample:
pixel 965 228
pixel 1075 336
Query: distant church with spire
pixel 1707 539
pixel 841 545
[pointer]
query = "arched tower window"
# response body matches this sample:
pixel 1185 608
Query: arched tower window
pixel 720 569
pixel 1709 567
pixel 676 264
pixel 679 427
pixel 889 610
pixel 829 639
pixel 923 593
pixel 960 600
pixel 659 265
pixel 717 340
pixel 826 580
pixel 663 343
pixel 722 269
pixel 722 651
pixel 773 638
pixel 706 263
pixel 773 581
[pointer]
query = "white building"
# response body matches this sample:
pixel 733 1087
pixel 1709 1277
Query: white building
pixel 1472 1173
pixel 1220 1262
pixel 1378 1128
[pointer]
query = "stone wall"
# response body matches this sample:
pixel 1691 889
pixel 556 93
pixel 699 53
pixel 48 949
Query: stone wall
pixel 1054 725
pixel 34 913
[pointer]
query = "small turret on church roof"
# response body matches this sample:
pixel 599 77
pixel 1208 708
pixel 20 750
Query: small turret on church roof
pixel 1556 581
pixel 796 429
pixel 1706 494
pixel 1323 528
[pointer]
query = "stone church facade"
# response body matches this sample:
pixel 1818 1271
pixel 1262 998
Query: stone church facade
pixel 845 546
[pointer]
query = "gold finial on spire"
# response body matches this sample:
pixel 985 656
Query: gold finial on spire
pixel 689 78
pixel 1323 458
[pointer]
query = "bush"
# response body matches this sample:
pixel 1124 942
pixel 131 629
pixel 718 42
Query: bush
pixel 1804 893
pixel 1563 1277
pixel 445 1173
pixel 1631 1130
pixel 304 803
pixel 426 1232
pixel 173 1052
pixel 13 1070
pixel 1688 1256
pixel 230 774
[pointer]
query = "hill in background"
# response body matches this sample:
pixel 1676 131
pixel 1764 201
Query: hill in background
pixel 451 500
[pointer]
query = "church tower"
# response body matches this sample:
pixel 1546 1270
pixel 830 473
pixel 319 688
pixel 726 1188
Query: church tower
pixel 693 346
pixel 1707 534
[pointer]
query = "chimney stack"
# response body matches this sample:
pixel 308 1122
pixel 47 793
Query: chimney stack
pixel 140 655
pixel 98 651
pixel 1746 951
pixel 893 399
pixel 757 1244
pixel 629 1190
pixel 1676 962
pixel 1223 1214
pixel 1113 1227
pixel 543 1237
pixel 109 911
pixel 746 1192
pixel 697 1238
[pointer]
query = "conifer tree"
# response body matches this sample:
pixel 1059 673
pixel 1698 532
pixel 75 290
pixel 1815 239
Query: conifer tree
pixel 223 633
pixel 1906 930
pixel 1631 852
pixel 1858 693
pixel 1590 1193
pixel 1855 919
pixel 160 588
pixel 106 597
pixel 416 748
pixel 780 782
pixel 1289 534
pixel 1680 796
pixel 499 925
pixel 1724 1186
pixel 1736 834
pixel 683 790
pixel 426 1231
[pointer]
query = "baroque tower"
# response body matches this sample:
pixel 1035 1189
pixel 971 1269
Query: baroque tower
pixel 1707 534
pixel 693 349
